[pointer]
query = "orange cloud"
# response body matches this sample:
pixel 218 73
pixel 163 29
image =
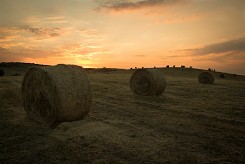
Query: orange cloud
pixel 39 33
pixel 38 21
pixel 8 54
pixel 82 51
pixel 91 35
pixel 44 32
pixel 88 32
pixel 179 19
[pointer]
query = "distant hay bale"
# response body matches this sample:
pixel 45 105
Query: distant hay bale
pixel 147 82
pixel 206 78
pixel 56 94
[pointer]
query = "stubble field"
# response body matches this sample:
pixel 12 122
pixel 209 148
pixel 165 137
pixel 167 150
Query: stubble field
pixel 190 122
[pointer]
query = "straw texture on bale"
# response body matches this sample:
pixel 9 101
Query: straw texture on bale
pixel 55 94
pixel 206 78
pixel 147 82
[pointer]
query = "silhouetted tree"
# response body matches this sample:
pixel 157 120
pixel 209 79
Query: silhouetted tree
pixel 167 66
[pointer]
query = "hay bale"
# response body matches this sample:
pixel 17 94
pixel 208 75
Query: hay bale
pixel 56 94
pixel 206 78
pixel 147 82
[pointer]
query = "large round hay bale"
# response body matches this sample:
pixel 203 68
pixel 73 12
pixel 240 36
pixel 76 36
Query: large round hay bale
pixel 147 82
pixel 55 94
pixel 206 78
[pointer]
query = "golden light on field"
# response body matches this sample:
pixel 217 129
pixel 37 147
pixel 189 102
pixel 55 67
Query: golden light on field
pixel 125 34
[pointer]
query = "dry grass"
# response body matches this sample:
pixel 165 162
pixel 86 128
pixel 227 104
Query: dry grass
pixel 188 123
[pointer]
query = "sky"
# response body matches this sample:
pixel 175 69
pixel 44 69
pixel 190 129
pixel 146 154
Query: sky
pixel 125 33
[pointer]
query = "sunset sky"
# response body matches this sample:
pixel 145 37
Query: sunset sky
pixel 125 33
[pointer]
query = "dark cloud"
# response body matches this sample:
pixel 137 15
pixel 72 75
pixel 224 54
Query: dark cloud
pixel 236 45
pixel 140 55
pixel 51 32
pixel 121 5
pixel 39 33
pixel 227 47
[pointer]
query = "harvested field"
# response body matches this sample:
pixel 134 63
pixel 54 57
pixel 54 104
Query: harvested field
pixel 190 122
